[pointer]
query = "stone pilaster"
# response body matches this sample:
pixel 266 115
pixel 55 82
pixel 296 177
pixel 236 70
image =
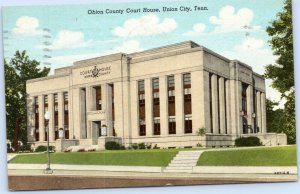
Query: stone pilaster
pixel 179 109
pixel 163 100
pixel 51 120
pixel 197 93
pixel 134 108
pixel 60 99
pixel 106 92
pixel 149 107
pixel 41 119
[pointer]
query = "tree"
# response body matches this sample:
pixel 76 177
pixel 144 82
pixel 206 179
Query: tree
pixel 17 71
pixel 282 73
pixel 275 118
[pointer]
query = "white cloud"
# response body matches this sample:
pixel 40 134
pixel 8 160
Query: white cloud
pixel 26 25
pixel 229 20
pixel 198 29
pixel 70 39
pixel 253 52
pixel 128 47
pixel 67 60
pixel 144 26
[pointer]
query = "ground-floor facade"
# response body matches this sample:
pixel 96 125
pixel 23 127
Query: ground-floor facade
pixel 181 95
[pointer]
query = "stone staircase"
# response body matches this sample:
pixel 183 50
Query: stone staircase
pixel 184 161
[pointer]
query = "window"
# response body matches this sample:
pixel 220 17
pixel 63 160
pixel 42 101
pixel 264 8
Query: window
pixel 141 86
pixel 171 82
pixel 172 125
pixel 187 80
pixel 55 98
pixel 156 95
pixel 36 101
pixel 156 122
pixel 66 97
pixel 244 98
pixel 66 107
pixel 188 124
pixel 171 93
pixel 142 127
pixel 187 91
pixel 155 84
pixel 46 99
pixel 98 98
pixel 141 90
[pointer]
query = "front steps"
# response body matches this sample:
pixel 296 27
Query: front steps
pixel 184 161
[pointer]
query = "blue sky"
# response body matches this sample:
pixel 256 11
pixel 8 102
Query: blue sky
pixel 77 35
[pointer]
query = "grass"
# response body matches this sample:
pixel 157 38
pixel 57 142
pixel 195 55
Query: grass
pixel 122 158
pixel 275 156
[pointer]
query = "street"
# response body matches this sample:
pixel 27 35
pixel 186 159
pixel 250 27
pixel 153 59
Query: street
pixel 44 182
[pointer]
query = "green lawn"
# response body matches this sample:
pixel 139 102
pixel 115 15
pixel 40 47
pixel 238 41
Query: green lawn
pixel 123 157
pixel 276 156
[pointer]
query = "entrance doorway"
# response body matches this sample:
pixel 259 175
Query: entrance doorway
pixel 96 129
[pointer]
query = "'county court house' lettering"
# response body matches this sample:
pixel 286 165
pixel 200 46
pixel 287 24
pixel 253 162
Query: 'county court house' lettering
pixel 162 96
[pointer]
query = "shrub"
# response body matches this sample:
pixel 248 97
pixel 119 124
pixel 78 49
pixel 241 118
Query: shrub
pixel 67 150
pixel 247 141
pixel 44 149
pixel 148 146
pixel 112 145
pixel 142 146
pixel 81 150
pixel 92 150
pixel 201 131
pixel 26 148
pixel 134 146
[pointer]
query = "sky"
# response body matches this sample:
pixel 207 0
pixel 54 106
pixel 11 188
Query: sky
pixel 74 34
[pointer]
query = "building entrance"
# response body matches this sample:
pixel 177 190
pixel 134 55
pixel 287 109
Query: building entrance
pixel 96 128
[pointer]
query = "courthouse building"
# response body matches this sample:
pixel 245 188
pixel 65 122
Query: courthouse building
pixel 162 96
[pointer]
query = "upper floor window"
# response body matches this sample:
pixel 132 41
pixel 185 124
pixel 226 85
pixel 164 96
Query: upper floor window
pixel 155 84
pixel 187 80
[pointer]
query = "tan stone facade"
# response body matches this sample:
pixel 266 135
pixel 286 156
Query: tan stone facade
pixel 160 96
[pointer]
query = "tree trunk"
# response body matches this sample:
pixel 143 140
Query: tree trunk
pixel 17 134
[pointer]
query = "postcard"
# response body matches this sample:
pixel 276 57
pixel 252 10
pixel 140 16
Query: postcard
pixel 149 94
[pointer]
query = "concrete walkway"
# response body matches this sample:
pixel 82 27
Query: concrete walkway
pixel 184 161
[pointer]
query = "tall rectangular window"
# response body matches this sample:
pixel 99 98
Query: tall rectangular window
pixel 244 107
pixel 156 124
pixel 66 114
pixel 46 121
pixel 188 124
pixel 98 98
pixel 210 102
pixel 156 107
pixel 56 115
pixel 36 118
pixel 172 125
pixel 141 100
pixel 218 100
pixel 171 104
pixel 187 103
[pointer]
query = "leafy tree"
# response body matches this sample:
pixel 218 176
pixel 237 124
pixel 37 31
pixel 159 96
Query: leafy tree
pixel 17 71
pixel 275 118
pixel 282 73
